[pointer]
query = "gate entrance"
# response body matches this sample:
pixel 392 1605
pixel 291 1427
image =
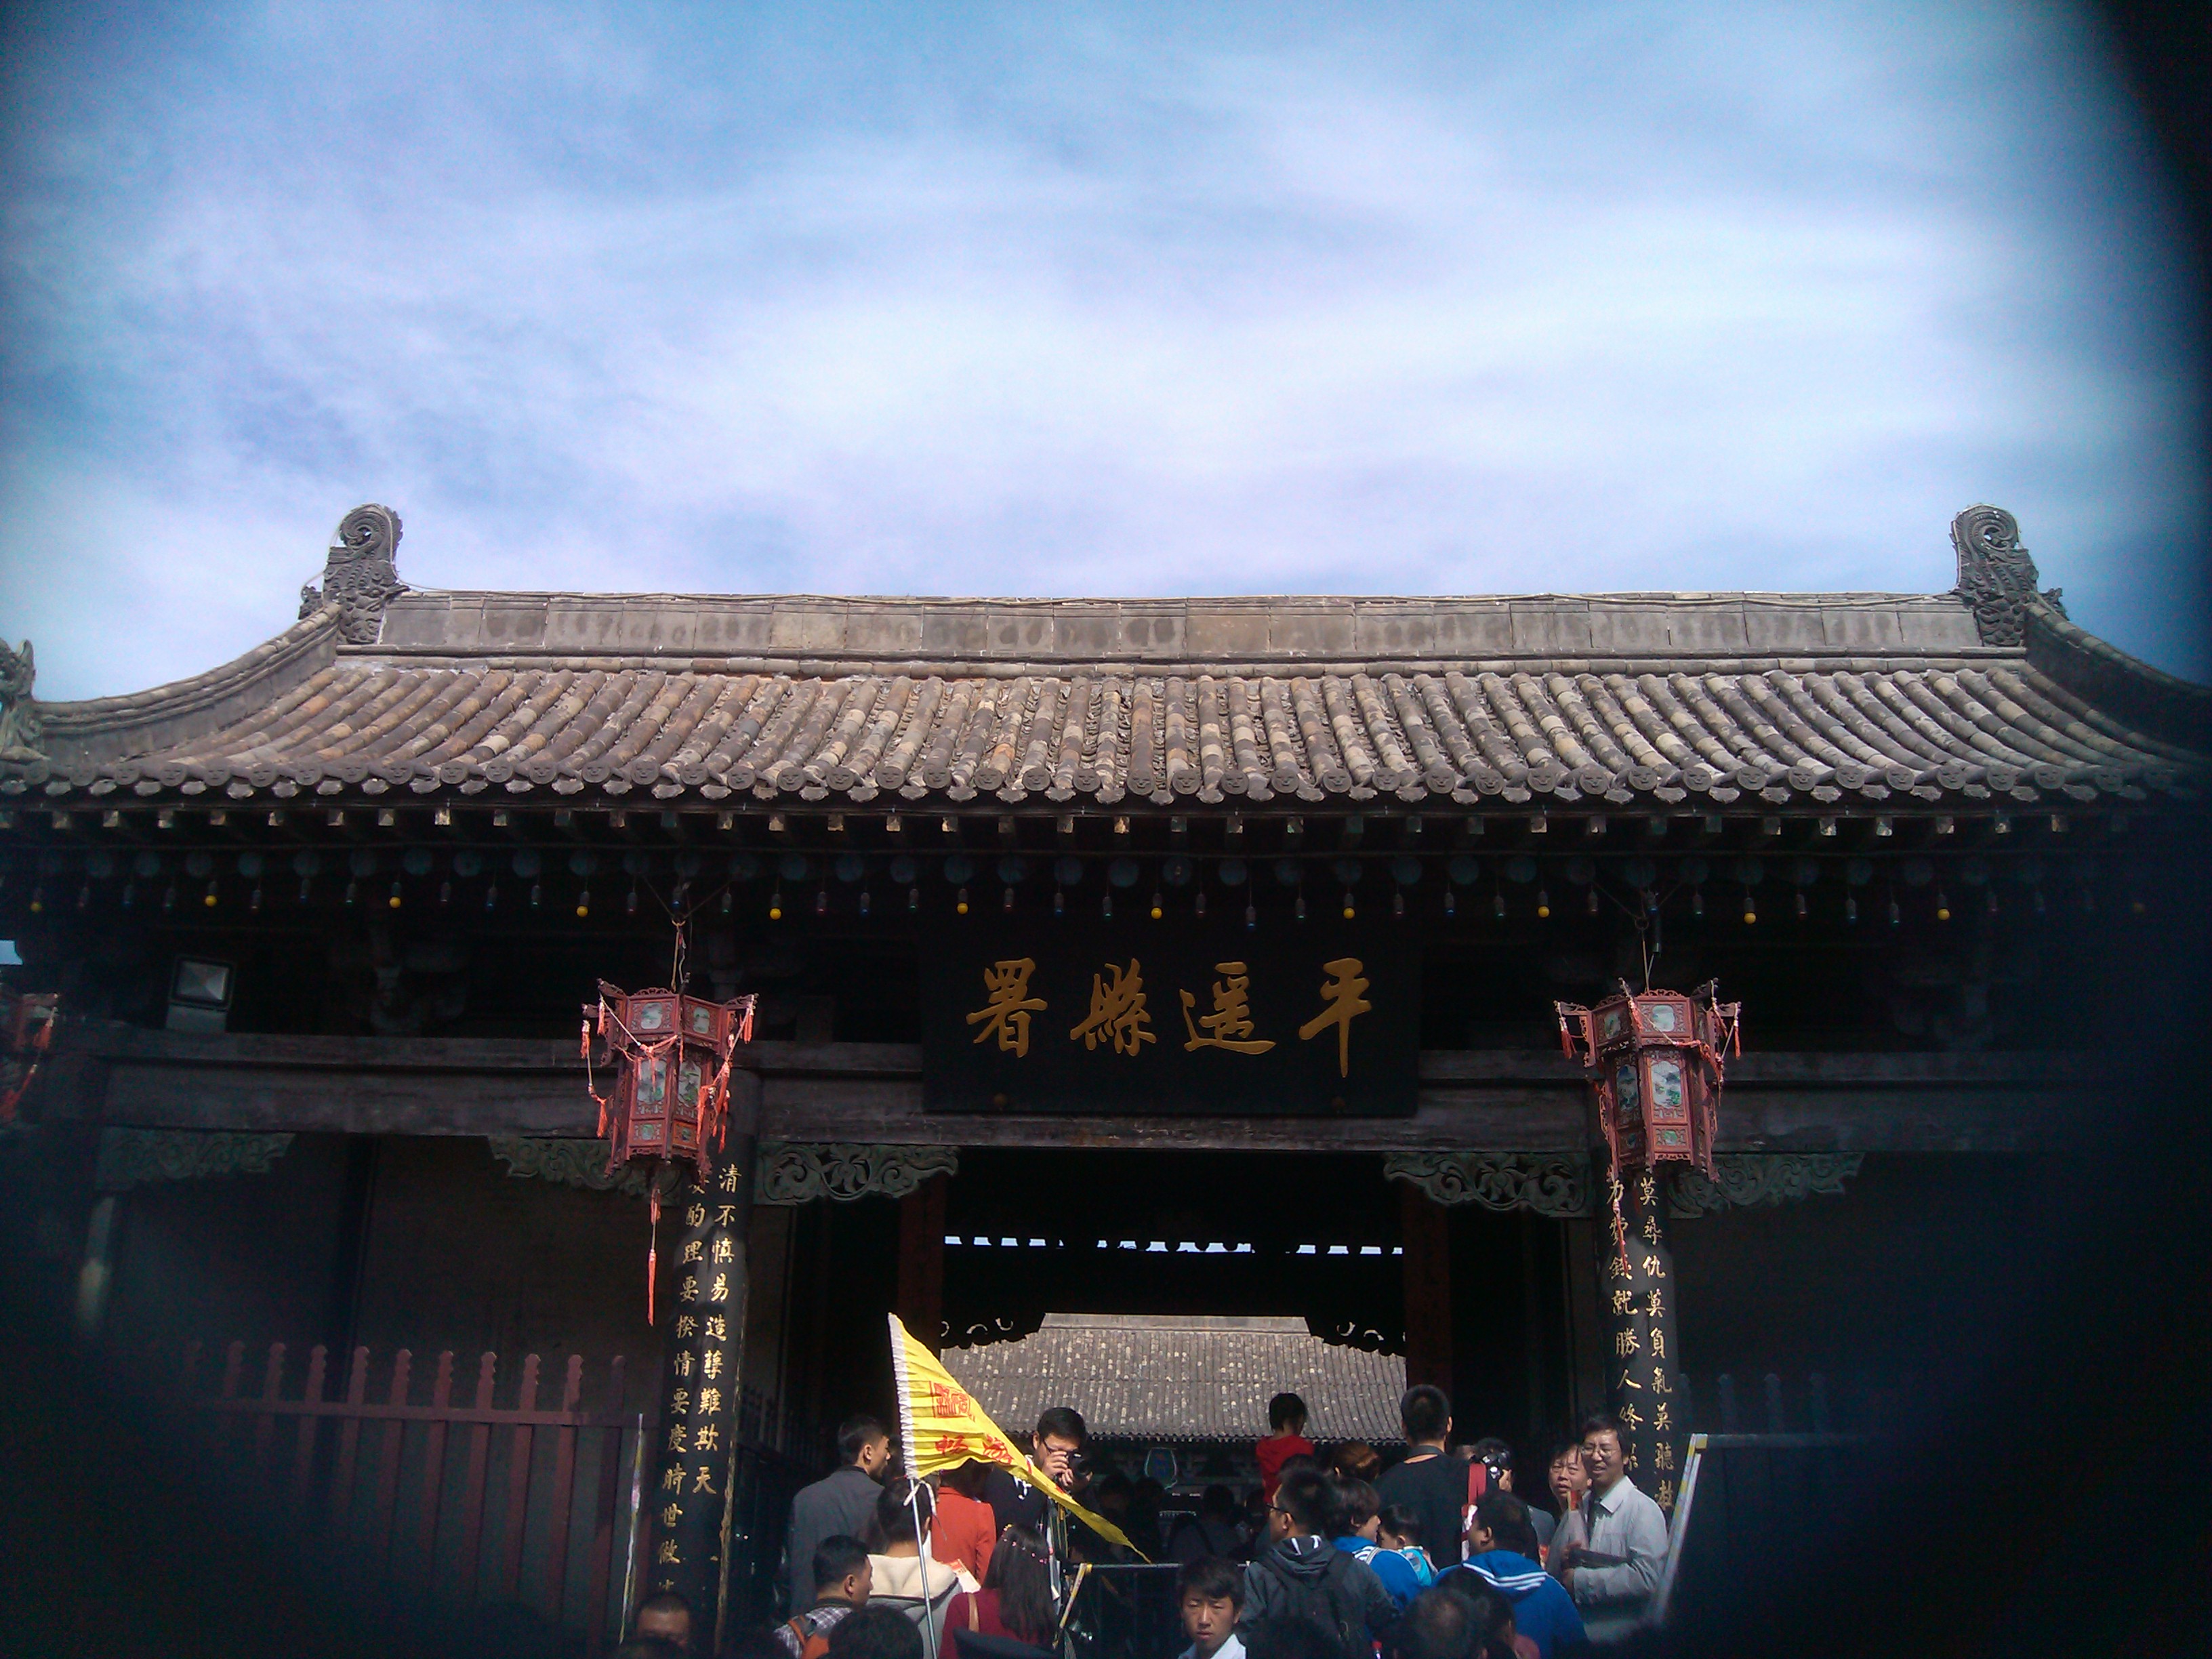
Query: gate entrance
pixel 1316 1237
pixel 1473 1300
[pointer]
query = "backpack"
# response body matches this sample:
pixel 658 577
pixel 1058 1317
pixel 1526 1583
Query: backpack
pixel 1317 1601
pixel 812 1645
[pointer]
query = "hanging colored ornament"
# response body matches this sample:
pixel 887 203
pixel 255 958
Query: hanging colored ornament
pixel 1654 1060
pixel 671 1087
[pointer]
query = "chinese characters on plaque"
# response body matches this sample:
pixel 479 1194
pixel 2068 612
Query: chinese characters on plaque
pixel 1064 1018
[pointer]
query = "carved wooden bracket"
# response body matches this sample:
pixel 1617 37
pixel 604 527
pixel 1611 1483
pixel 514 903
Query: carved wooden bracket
pixel 1746 1178
pixel 571 1163
pixel 789 1172
pixel 132 1158
pixel 1549 1183
pixel 793 1172
pixel 1561 1183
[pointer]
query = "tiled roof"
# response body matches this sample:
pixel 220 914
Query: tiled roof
pixel 1170 1378
pixel 1655 732
pixel 1986 694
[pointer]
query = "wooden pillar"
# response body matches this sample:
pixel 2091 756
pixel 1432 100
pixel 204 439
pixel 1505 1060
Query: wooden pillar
pixel 1644 1362
pixel 701 1379
pixel 921 1260
pixel 1425 1231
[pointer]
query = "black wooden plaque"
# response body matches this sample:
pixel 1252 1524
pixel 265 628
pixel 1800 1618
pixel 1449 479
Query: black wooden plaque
pixel 1170 1017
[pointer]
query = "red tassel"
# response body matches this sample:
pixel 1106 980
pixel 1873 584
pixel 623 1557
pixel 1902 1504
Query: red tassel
pixel 652 1256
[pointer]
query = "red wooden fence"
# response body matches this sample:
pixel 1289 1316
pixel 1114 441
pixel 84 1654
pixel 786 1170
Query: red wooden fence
pixel 430 1532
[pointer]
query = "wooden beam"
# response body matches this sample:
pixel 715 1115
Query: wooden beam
pixel 921 1258
pixel 1469 1099
pixel 1425 1232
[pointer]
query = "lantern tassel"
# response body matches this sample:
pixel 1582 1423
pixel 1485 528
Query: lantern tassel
pixel 707 1126
pixel 653 1254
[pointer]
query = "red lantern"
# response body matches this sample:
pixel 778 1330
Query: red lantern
pixel 674 1052
pixel 1654 1058
pixel 26 1031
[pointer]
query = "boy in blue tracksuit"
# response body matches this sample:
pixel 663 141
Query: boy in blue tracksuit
pixel 1501 1552
pixel 1358 1520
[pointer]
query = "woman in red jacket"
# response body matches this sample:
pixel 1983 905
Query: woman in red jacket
pixel 1016 1599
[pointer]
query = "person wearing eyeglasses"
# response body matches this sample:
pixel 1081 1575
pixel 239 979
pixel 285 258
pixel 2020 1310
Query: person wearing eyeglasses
pixel 1301 1578
pixel 1614 1574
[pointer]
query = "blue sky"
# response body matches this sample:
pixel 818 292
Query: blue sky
pixel 1045 299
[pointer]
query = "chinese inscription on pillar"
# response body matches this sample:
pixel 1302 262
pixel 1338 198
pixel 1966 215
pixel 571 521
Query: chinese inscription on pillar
pixel 701 1382
pixel 1644 1357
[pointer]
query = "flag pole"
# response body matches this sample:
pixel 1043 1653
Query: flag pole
pixel 921 1537
pixel 902 1386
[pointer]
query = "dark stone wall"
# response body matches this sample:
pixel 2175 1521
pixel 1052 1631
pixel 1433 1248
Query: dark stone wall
pixel 1881 1290
pixel 462 1255
pixel 428 1244
pixel 257 1258
pixel 423 1242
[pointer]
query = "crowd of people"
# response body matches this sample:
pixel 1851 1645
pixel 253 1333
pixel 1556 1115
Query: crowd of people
pixel 1335 1555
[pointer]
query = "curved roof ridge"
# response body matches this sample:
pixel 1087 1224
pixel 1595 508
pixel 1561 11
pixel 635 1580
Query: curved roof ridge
pixel 199 705
pixel 1257 628
pixel 2125 689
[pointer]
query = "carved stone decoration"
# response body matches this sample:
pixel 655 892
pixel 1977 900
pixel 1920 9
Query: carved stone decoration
pixel 1549 1183
pixel 132 1158
pixel 360 574
pixel 21 727
pixel 571 1163
pixel 1746 1178
pixel 1996 577
pixel 793 1172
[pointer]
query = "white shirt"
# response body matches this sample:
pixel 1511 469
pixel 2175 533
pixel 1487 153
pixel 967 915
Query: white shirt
pixel 1232 1649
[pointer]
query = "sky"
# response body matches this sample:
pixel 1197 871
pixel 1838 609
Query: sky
pixel 1109 298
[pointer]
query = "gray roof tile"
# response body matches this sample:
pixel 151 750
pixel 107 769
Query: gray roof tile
pixel 1656 699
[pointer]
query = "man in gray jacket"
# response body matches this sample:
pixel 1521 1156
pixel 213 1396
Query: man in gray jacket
pixel 1301 1576
pixel 844 1502
pixel 1619 1524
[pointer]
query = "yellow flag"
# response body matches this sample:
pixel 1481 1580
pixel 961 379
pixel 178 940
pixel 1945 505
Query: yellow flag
pixel 943 1427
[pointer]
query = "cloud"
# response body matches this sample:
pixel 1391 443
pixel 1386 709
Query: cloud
pixel 1111 302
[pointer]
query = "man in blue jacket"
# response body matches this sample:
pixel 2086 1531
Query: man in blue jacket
pixel 1501 1552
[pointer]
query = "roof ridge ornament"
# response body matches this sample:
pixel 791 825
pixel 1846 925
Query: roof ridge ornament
pixel 1996 576
pixel 20 726
pixel 360 573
